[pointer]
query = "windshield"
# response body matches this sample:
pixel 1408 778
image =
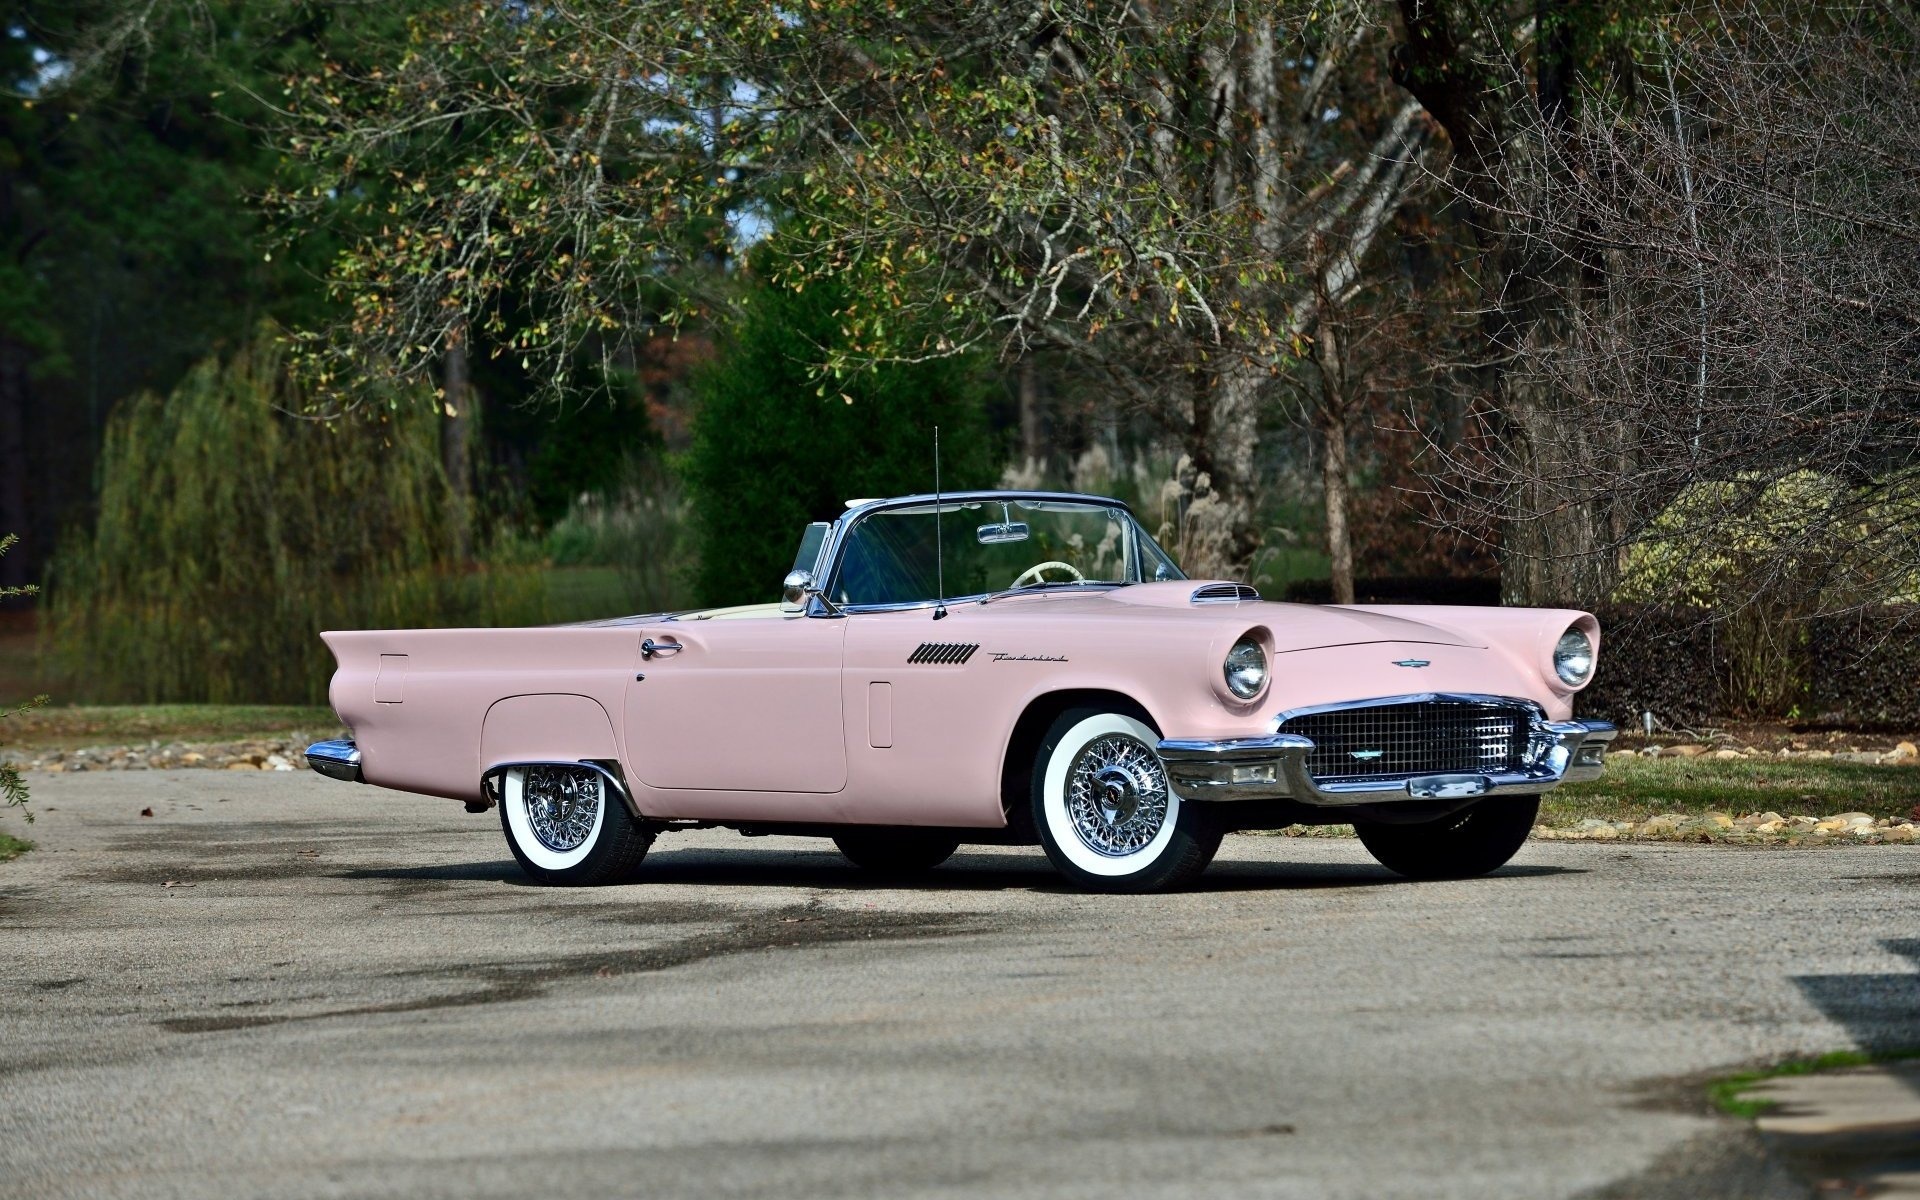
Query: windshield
pixel 990 546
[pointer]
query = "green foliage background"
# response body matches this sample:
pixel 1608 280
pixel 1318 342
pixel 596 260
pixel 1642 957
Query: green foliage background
pixel 771 452
pixel 13 789
pixel 230 533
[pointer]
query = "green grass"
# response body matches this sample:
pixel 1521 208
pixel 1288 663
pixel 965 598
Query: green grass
pixel 65 727
pixel 1726 1093
pixel 12 847
pixel 1636 788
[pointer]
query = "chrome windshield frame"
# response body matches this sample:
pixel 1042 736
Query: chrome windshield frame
pixel 833 552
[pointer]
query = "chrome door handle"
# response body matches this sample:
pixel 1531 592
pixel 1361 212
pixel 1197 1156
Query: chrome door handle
pixel 649 648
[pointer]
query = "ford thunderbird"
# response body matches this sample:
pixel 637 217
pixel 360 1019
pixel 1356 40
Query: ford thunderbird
pixel 985 667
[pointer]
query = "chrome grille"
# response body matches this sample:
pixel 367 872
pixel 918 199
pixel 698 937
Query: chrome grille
pixel 1428 737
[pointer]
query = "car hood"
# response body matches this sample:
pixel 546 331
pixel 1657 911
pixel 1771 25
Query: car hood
pixel 1293 626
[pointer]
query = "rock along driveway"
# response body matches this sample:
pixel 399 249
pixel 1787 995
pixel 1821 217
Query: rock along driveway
pixel 358 995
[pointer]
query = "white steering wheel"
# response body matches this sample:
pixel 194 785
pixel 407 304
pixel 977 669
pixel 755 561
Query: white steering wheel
pixel 1032 573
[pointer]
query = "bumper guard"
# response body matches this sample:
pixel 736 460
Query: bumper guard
pixel 336 759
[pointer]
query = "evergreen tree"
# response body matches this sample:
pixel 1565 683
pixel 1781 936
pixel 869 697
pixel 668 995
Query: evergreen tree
pixel 776 445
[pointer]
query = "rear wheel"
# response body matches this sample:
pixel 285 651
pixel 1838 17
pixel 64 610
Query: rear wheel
pixel 1471 842
pixel 1105 812
pixel 568 827
pixel 896 851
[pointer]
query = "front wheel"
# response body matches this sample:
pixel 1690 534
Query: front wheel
pixel 568 827
pixel 1104 810
pixel 1470 842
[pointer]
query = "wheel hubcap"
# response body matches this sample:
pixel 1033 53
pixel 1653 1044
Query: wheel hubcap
pixel 562 803
pixel 1116 795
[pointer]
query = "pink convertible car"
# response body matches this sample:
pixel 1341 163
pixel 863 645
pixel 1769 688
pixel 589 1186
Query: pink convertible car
pixel 991 667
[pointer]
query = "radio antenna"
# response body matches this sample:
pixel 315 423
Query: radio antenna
pixel 939 560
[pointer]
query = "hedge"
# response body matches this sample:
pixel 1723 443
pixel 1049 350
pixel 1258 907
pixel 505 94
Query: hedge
pixel 1669 662
pixel 1860 670
pixel 1400 589
pixel 1865 668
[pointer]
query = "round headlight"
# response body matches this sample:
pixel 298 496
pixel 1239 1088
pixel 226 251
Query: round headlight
pixel 1246 669
pixel 1573 658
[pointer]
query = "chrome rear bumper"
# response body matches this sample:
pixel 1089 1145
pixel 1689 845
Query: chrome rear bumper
pixel 336 759
pixel 1274 768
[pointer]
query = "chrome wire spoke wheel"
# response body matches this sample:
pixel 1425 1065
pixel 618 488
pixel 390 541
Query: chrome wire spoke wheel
pixel 1116 795
pixel 563 805
pixel 1104 811
pixel 557 814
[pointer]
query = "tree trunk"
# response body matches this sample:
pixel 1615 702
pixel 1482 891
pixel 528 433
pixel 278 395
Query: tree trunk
pixel 15 568
pixel 456 436
pixel 1221 440
pixel 1031 449
pixel 1333 462
pixel 1553 551
pixel 1553 536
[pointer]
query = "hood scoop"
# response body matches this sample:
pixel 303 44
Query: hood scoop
pixel 1223 593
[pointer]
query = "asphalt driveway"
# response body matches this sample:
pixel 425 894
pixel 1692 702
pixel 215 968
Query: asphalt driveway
pixel 278 985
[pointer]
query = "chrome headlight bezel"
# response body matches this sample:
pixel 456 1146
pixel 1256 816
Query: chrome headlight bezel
pixel 1573 657
pixel 1246 679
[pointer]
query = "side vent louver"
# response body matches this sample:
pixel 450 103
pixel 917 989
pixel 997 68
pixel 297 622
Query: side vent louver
pixel 948 653
pixel 1224 593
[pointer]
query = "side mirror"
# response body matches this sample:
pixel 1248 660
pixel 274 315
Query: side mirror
pixel 794 591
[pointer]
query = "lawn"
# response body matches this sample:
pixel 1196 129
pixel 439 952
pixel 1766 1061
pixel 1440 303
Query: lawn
pixel 1635 788
pixel 12 847
pixel 65 727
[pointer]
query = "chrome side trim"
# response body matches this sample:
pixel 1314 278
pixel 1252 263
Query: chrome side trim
pixel 336 758
pixel 1274 767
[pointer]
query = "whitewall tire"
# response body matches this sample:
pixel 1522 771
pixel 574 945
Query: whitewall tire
pixel 1104 811
pixel 568 825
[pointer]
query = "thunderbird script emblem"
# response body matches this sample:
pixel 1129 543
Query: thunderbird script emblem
pixel 1410 662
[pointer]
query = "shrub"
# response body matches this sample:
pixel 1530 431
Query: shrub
pixel 639 528
pixel 13 788
pixel 1667 661
pixel 771 452
pixel 230 534
pixel 1862 668
pixel 1419 589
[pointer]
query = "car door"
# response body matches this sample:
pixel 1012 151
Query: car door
pixel 926 718
pixel 738 704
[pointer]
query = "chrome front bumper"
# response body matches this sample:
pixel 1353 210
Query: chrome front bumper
pixel 1274 767
pixel 336 760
